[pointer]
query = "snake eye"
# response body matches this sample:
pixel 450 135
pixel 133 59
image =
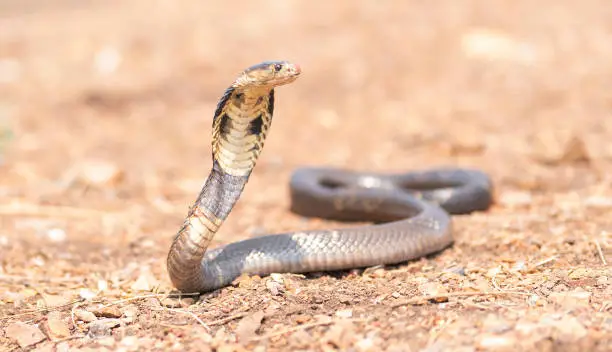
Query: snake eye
pixel 278 67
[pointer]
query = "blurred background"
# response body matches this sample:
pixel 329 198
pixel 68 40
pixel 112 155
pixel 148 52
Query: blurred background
pixel 106 110
pixel 387 87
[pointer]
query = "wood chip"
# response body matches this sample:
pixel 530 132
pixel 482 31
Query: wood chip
pixel 108 312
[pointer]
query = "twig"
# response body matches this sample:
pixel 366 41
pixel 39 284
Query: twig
pixel 40 279
pixel 73 337
pixel 175 326
pixel 600 252
pixel 494 282
pixel 546 261
pixel 136 298
pixel 41 310
pixel 154 295
pixel 419 299
pixel 227 319
pixel 78 302
pixel 301 327
pixel 192 314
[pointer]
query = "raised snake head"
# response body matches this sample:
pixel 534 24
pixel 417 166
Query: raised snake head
pixel 268 74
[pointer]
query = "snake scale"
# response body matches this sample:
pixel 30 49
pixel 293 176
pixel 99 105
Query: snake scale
pixel 410 212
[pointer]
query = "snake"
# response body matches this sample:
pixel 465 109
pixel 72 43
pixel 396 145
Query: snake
pixel 409 213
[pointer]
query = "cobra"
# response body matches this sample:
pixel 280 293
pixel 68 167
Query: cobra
pixel 410 211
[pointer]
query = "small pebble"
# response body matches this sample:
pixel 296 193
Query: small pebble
pixel 434 289
pixel 598 202
pixel 277 278
pixel 515 198
pixel 84 315
pixel 459 270
pixel 301 339
pixel 366 345
pixel 10 70
pixel 569 330
pixel 274 287
pixel 129 341
pixel 108 312
pixel 346 299
pixel 98 173
pixel 328 118
pixel 102 327
pixel 602 280
pixel 107 60
pixel 572 299
pixel 494 324
pixel 146 281
pixel 106 341
pixel 557 147
pixel 129 314
pixel 519 266
pixel 496 343
pixel 344 313
pixel 171 302
pixel 302 318
pixel 493 45
pixel 87 294
pixel 56 235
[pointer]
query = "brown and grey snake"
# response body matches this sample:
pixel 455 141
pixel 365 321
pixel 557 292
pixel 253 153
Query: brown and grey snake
pixel 410 211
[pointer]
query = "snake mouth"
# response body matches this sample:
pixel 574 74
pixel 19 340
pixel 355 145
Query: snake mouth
pixel 284 80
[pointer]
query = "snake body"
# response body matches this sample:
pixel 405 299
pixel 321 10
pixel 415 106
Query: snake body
pixel 411 211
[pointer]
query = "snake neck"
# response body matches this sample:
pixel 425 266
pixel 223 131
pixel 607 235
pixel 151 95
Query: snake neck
pixel 240 126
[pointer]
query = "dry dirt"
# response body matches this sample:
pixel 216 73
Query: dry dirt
pixel 106 109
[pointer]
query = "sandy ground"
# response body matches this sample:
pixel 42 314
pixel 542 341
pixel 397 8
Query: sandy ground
pixel 105 113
